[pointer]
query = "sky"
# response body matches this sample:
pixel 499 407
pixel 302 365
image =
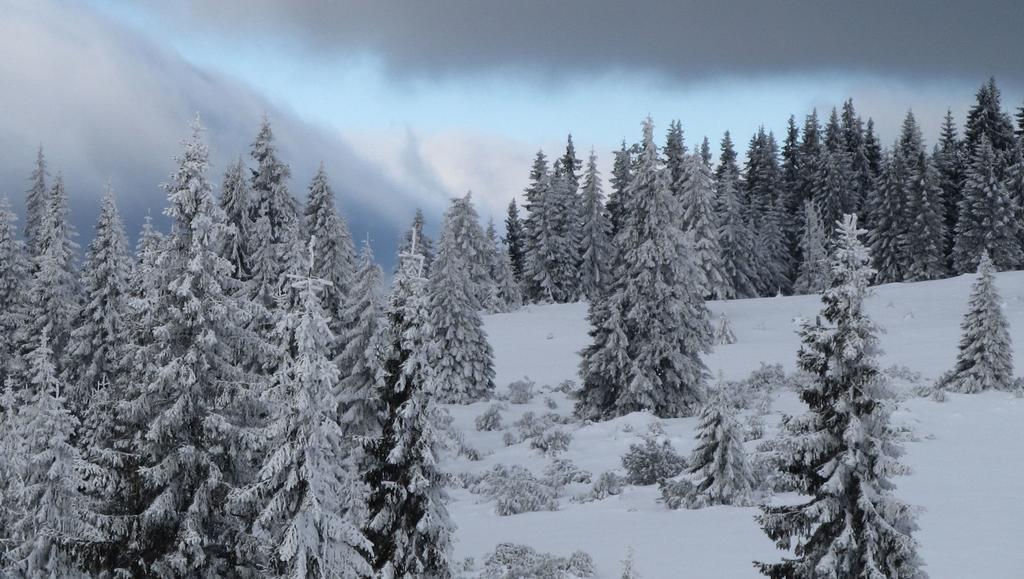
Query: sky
pixel 408 103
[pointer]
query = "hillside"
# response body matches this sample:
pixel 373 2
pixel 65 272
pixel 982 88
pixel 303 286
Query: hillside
pixel 967 452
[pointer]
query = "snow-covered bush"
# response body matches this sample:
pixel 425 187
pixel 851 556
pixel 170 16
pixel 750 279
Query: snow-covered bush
pixel 902 373
pixel 532 426
pixel 567 386
pixel 607 484
pixel 490 420
pixel 562 471
pixel 515 490
pixel 651 462
pixel 551 441
pixel 550 403
pixel 677 493
pixel 513 561
pixel 754 428
pixel 521 391
pixel 509 438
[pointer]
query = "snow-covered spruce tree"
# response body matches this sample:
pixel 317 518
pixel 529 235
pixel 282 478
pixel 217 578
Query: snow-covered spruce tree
pixel 37 202
pixel 552 258
pixel 462 361
pixel 307 496
pixel 987 120
pixel 97 349
pixel 621 176
pixel 813 275
pixel 697 196
pixel 841 453
pixel 719 461
pixel 236 203
pixel 408 523
pixel 889 217
pixel 184 447
pixel 650 328
pixel 595 233
pixel 987 216
pixel 463 239
pixel 773 257
pixel 925 241
pixel 332 245
pixel 53 289
pixel 276 247
pixel 514 241
pixel 424 245
pixel 13 270
pixel 736 241
pixel 985 361
pixel 948 159
pixel 674 154
pixel 50 522
pixel 357 408
pixel 505 294
pixel 830 191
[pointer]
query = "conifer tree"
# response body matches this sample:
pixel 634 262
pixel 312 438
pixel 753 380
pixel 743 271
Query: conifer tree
pixel 700 221
pixel 332 245
pixel 463 362
pixel 13 270
pixel 831 192
pixel 596 248
pixel 505 294
pixel 987 216
pixel 514 241
pixel 97 350
pixel 649 330
pixel 985 360
pixel 771 252
pixel 50 522
pixel 841 453
pixel 552 250
pixel 705 150
pixel 925 241
pixel 360 317
pixel 619 182
pixel 719 461
pixel 736 241
pixel 190 386
pixel 462 238
pixel 236 203
pixel 889 212
pixel 306 494
pixel 813 276
pixel 407 524
pixel 675 158
pixel 948 159
pixel 987 120
pixel 790 174
pixel 424 244
pixel 810 154
pixel 37 202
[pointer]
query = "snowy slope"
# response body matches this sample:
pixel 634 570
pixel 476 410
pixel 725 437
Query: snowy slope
pixel 967 452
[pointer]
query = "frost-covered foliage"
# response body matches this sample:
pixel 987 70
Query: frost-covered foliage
pixel 719 462
pixel 985 360
pixel 651 462
pixel 490 420
pixel 424 246
pixel 521 391
pixel 513 561
pixel 677 493
pixel 608 484
pixel 986 221
pixel 551 269
pixel 562 471
pixel 360 318
pixel 649 330
pixel 596 250
pixel 841 453
pixel 813 272
pixel 551 441
pixel 531 426
pixel 515 490
pixel 335 253
pixel 504 293
pixel 723 331
pixel 12 282
pixel 697 197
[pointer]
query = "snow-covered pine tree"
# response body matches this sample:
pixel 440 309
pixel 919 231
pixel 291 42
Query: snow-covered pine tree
pixel 697 198
pixel 50 522
pixel 357 409
pixel 12 285
pixel 514 241
pixel 188 387
pixel 651 326
pixel 735 239
pixel 307 496
pixel 889 213
pixel 841 453
pixel 236 203
pixel 675 158
pixel 53 290
pixel 1015 184
pixel 831 192
pixel 985 360
pixel 987 120
pixel 987 216
pixel 408 523
pixel 332 245
pixel 925 241
pixel 98 346
pixel 948 159
pixel 727 160
pixel 462 360
pixel 619 181
pixel 552 259
pixel 276 247
pixel 810 154
pixel 424 245
pixel 813 276
pixel 505 294
pixel 463 239
pixel 790 177
pixel 534 228
pixel 37 202
pixel 596 247
pixel 719 461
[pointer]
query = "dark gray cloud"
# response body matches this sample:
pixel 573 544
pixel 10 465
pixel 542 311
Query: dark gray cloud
pixel 682 39
pixel 108 105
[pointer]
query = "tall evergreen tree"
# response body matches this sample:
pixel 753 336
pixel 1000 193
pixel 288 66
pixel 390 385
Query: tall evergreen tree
pixel 332 245
pixel 651 327
pixel 987 216
pixel 727 164
pixel 97 349
pixel 813 276
pixel 424 244
pixel 620 179
pixel 463 239
pixel 408 524
pixel 675 158
pixel 13 270
pixel 37 202
pixel 736 241
pixel 701 223
pixel 841 453
pixel 889 212
pixel 948 159
pixel 985 360
pixel 236 203
pixel 595 249
pixel 831 192
pixel 987 120
pixel 515 242
pixel 552 258
pixel 811 151
pixel 719 460
pixel 358 410
pixel 926 232
pixel 505 294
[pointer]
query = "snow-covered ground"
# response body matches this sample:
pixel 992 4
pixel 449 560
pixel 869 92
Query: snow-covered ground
pixel 967 452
